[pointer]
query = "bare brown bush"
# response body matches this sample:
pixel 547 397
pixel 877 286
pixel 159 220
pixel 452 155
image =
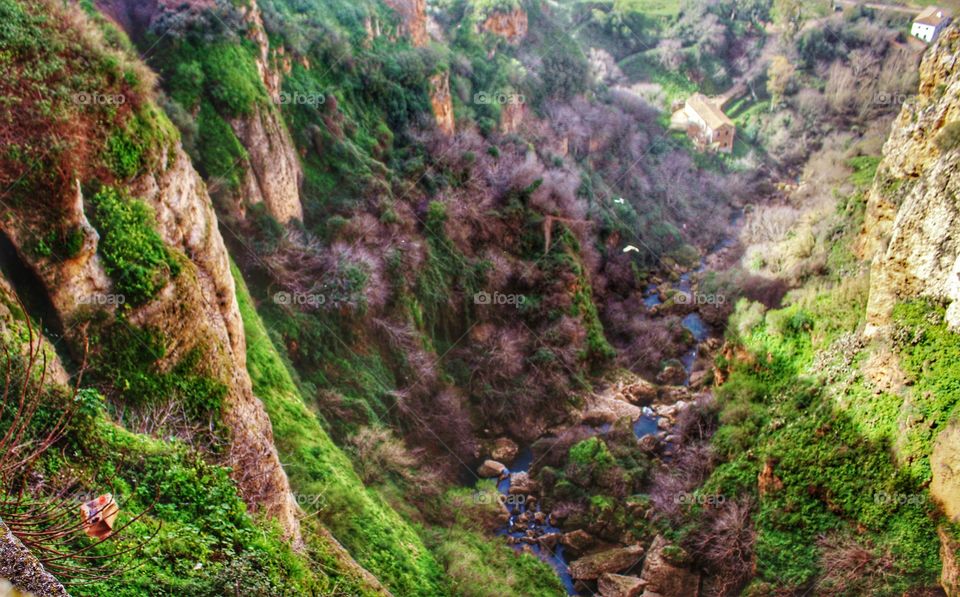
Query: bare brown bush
pixel 723 543
pixel 852 567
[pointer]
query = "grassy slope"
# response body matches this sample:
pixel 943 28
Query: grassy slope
pixel 795 399
pixel 321 474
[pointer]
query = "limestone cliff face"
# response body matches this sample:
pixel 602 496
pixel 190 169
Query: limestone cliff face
pixel 912 236
pixel 413 19
pixel 511 115
pixel 273 174
pixel 197 309
pixel 510 25
pixel 442 103
pixel 912 226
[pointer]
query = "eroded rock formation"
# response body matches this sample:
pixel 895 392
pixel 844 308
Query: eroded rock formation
pixel 196 310
pixel 913 218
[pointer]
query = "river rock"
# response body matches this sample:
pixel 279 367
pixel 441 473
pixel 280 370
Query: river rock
pixel 578 541
pixel 617 559
pixel 665 578
pixel 699 379
pixel 550 540
pixel 491 468
pixel 637 390
pixel 673 373
pixel 523 483
pixel 608 407
pixel 648 443
pixel 618 585
pixel 504 450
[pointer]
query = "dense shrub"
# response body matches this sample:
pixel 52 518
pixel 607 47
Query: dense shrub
pixel 133 252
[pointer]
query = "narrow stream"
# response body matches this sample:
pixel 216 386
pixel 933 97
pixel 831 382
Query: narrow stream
pixel 527 524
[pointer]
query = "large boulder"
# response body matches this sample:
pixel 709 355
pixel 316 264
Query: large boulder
pixel 618 585
pixel 549 540
pixel 523 484
pixel 504 450
pixel 665 578
pixel 578 541
pixel 617 559
pixel 491 468
pixel 673 373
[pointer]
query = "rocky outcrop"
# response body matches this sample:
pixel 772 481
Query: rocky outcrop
pixel 442 103
pixel 617 559
pixel 578 541
pixel 273 173
pixel 618 585
pixel 413 19
pixel 491 468
pixel 523 484
pixel 945 466
pixel 196 310
pixel 913 219
pixel 950 556
pixel 511 116
pixel 510 25
pixel 23 570
pixel 504 450
pixel 663 577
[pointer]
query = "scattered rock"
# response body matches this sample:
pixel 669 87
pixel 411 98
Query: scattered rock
pixel 664 578
pixel 608 407
pixel 504 450
pixel 617 585
pixel 616 559
pixel 491 468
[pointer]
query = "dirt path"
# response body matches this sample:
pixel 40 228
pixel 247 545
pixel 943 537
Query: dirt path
pixel 881 6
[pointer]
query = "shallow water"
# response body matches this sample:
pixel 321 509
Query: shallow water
pixel 557 559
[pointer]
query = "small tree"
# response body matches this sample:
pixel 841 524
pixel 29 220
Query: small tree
pixel 779 77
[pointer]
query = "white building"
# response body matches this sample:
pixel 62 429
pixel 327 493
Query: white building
pixel 929 23
pixel 706 124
